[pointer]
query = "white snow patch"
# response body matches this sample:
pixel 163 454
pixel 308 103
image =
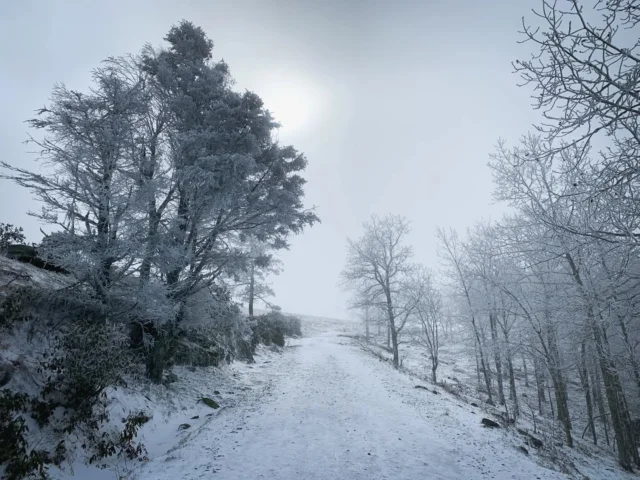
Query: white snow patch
pixel 334 412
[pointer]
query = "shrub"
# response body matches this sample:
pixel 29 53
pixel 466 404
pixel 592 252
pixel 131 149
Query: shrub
pixel 271 328
pixel 83 354
pixel 294 326
pixel 16 455
pixel 8 235
pixel 123 444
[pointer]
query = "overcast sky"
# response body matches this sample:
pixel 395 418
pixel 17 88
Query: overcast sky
pixel 396 104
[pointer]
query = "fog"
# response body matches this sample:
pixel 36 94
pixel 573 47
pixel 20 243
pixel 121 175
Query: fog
pixel 395 104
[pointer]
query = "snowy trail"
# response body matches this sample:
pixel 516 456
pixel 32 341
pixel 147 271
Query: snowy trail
pixel 334 412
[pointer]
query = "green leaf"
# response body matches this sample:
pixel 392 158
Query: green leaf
pixel 209 403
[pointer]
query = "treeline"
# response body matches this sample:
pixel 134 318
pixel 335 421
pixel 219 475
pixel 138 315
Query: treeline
pixel 552 288
pixel 168 196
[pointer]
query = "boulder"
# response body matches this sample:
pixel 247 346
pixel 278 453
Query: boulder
pixel 490 423
pixel 170 377
pixel 530 439
pixel 6 373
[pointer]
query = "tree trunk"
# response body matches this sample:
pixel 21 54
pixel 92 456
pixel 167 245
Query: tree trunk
pixel 366 323
pixel 434 367
pixel 483 365
pixel 512 388
pixel 559 382
pixel 622 428
pixel 620 418
pixel 152 239
pixel 526 374
pixel 162 348
pixel 183 218
pixel 251 289
pixel 584 379
pixel 156 361
pixel 553 412
pixel 537 372
pixel 394 344
pixel 560 390
pixel 496 357
pixel 597 396
pixel 635 368
pixel 478 366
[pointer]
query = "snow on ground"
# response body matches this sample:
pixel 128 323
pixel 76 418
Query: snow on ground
pixel 174 405
pixel 457 370
pixel 17 274
pixel 322 408
pixel 332 411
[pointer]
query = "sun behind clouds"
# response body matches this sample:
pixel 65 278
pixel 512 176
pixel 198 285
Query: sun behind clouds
pixel 294 101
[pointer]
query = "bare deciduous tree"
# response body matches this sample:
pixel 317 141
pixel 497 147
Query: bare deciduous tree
pixel 379 268
pixel 428 314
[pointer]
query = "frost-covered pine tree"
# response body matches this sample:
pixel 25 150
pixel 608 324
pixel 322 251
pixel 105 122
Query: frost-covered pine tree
pixel 251 280
pixel 154 173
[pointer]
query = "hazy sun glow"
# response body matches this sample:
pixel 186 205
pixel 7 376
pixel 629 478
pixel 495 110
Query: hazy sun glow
pixel 293 101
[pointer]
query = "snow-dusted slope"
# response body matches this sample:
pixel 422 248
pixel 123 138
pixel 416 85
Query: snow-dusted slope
pixel 335 412
pixel 17 274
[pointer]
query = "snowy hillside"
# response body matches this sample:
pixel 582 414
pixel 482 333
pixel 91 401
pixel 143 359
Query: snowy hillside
pixel 323 407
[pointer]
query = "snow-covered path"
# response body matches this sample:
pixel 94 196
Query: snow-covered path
pixel 335 412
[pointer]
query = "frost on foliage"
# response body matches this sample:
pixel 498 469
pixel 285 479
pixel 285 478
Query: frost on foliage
pixel 151 176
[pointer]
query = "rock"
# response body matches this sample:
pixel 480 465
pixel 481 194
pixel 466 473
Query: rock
pixel 523 450
pixel 195 418
pixel 216 392
pixel 474 404
pixel 209 403
pixel 184 426
pixel 243 348
pixel 531 440
pixel 490 423
pixel 535 442
pixel 170 378
pixel 6 373
pixel 435 392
